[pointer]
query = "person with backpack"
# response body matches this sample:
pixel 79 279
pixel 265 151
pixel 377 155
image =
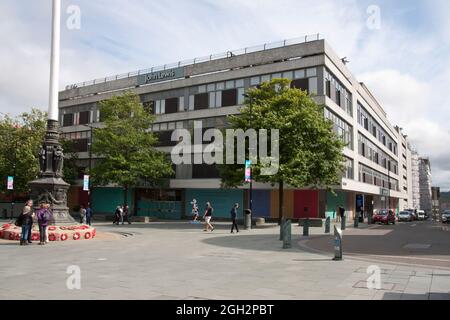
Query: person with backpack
pixel 207 216
pixel 82 214
pixel 44 216
pixel 88 214
pixel 117 215
pixel 233 217
pixel 25 221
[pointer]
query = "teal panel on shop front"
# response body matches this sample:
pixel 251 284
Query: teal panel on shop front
pixel 222 200
pixel 333 201
pixel 105 200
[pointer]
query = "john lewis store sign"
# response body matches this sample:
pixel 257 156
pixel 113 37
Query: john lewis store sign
pixel 158 76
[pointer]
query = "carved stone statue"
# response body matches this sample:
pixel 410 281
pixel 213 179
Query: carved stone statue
pixel 42 157
pixel 58 158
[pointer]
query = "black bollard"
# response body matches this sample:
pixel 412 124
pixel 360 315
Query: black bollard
pixel 327 224
pixel 356 222
pixel 337 244
pixel 306 227
pixel 343 222
pixel 287 243
pixel 283 221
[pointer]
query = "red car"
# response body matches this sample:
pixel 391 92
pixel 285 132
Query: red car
pixel 384 216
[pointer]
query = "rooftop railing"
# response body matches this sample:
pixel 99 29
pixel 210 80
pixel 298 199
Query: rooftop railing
pixel 228 54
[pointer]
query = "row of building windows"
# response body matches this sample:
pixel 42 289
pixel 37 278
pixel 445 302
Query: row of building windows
pixel 342 128
pixel 348 172
pixel 373 177
pixel 337 92
pixel 371 125
pixel 370 151
pixel 304 79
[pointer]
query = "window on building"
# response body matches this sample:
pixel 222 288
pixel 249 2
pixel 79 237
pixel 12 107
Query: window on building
pixel 181 104
pixel 204 171
pixel 229 97
pixel 302 84
pixel 171 105
pixel 201 101
pixel 68 120
pixel 84 117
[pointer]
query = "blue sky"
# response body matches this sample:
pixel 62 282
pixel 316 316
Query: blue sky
pixel 405 62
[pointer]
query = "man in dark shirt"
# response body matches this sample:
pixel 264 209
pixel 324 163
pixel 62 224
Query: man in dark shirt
pixel 234 216
pixel 207 216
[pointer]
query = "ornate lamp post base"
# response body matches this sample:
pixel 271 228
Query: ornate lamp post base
pixel 50 187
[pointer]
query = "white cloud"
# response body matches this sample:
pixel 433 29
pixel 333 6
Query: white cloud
pixel 406 70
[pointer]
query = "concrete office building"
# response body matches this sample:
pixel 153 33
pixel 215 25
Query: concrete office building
pixel 415 180
pixel 425 184
pixel 209 89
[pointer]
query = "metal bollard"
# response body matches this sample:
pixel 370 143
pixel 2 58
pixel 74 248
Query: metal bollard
pixel 343 222
pixel 369 218
pixel 306 227
pixel 287 243
pixel 327 224
pixel 337 244
pixel 247 219
pixel 356 222
pixel 283 221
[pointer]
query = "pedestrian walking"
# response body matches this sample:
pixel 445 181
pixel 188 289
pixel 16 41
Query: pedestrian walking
pixel 207 216
pixel 117 215
pixel 341 213
pixel 82 214
pixel 88 215
pixel 233 217
pixel 25 220
pixel 125 215
pixel 194 210
pixel 30 205
pixel 44 216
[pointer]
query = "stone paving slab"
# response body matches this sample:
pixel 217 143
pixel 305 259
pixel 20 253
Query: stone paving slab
pixel 180 261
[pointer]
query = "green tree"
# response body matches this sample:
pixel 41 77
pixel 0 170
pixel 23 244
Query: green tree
pixel 310 153
pixel 70 169
pixel 126 146
pixel 20 140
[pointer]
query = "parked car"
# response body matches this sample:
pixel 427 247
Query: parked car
pixel 445 218
pixel 405 216
pixel 384 216
pixel 420 215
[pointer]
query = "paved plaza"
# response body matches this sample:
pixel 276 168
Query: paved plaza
pixel 177 260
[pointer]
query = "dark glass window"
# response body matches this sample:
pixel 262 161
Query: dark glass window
pixel 80 145
pixel 84 117
pixel 338 97
pixel 229 98
pixel 201 101
pixel 302 84
pixel 328 88
pixel 164 139
pixel 68 120
pixel 172 105
pixel 204 171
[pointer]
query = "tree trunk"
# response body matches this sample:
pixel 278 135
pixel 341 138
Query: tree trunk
pixel 280 202
pixel 125 196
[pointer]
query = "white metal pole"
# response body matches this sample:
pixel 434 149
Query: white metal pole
pixel 54 61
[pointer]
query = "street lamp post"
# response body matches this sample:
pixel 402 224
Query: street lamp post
pixel 90 164
pixel 251 175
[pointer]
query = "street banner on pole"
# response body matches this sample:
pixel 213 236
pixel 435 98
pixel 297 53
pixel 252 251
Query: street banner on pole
pixel 248 171
pixel 86 183
pixel 10 183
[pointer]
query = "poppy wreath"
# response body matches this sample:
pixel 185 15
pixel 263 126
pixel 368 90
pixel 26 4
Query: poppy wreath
pixel 64 237
pixel 11 236
pixel 63 228
pixel 1 234
pixel 94 233
pixel 76 236
pixel 35 236
pixel 6 225
pixel 87 235
pixel 17 236
pixel 52 237
pixel 52 228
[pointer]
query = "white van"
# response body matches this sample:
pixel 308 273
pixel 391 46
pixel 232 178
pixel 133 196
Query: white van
pixel 420 215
